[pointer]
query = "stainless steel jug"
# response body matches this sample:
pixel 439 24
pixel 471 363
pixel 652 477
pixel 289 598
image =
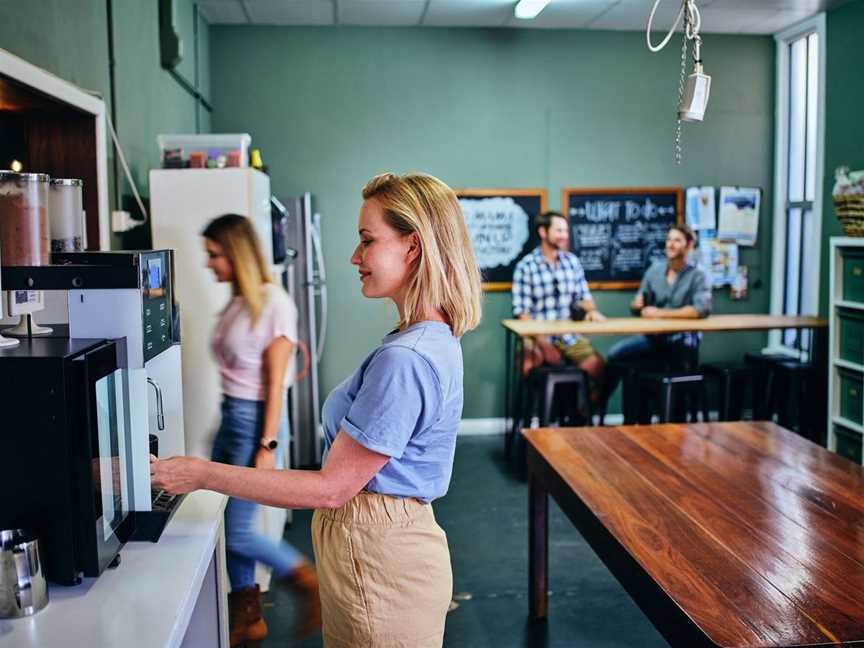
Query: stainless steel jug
pixel 23 590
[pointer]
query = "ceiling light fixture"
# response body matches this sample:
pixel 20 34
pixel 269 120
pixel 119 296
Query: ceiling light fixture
pixel 528 9
pixel 693 91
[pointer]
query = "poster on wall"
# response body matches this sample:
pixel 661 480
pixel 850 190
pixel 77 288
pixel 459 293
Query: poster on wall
pixel 719 259
pixel 701 210
pixel 501 225
pixel 739 214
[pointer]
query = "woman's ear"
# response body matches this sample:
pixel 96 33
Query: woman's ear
pixel 413 247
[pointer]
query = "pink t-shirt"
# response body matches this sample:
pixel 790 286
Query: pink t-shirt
pixel 239 348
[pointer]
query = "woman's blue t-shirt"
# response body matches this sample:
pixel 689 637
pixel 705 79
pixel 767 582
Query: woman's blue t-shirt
pixel 404 401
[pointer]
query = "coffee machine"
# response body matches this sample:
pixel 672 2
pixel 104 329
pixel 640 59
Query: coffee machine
pixel 125 298
pixel 64 458
pixel 130 294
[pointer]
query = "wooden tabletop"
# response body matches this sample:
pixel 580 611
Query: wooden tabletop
pixel 634 325
pixel 742 534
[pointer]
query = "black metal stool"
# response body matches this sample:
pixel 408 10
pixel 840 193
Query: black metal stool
pixel 763 365
pixel 678 393
pixel 793 395
pixel 734 382
pixel 544 382
pixel 629 373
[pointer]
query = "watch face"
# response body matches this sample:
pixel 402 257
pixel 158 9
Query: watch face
pixel 272 444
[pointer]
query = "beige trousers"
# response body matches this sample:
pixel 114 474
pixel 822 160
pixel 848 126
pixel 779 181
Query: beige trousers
pixel 384 573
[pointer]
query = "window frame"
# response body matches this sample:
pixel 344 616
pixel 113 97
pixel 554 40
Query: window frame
pixel 817 25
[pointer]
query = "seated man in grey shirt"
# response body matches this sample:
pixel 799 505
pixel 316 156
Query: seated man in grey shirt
pixel 671 289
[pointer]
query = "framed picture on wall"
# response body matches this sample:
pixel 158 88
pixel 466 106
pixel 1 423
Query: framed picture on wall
pixel 501 225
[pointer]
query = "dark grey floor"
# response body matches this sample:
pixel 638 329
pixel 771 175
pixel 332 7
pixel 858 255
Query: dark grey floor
pixel 485 517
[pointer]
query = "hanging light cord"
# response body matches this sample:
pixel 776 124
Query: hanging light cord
pixel 692 24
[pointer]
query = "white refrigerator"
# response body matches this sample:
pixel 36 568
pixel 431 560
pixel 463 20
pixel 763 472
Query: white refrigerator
pixel 182 202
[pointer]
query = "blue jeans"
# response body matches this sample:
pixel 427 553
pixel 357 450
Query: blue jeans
pixel 236 444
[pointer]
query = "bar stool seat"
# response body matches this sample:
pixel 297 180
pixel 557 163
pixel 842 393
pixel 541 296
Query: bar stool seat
pixel 673 395
pixel 734 381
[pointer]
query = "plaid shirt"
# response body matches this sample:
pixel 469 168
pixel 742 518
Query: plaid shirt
pixel 546 293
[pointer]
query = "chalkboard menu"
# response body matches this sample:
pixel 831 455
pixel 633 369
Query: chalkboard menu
pixel 501 224
pixel 618 233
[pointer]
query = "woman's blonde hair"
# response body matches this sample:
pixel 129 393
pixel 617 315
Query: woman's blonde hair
pixel 237 237
pixel 446 275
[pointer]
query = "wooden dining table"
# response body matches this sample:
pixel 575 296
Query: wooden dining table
pixel 725 534
pixel 518 331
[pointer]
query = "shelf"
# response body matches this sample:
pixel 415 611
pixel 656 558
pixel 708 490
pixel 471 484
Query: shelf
pixel 847 241
pixel 849 304
pixel 839 420
pixel 848 365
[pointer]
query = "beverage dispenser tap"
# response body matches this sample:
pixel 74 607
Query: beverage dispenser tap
pixel 160 412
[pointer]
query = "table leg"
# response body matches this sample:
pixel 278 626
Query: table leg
pixel 819 354
pixel 508 393
pixel 538 547
pixel 519 384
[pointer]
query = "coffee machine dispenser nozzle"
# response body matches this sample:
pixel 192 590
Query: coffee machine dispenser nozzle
pixel 160 412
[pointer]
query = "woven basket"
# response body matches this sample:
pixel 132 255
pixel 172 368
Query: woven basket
pixel 850 211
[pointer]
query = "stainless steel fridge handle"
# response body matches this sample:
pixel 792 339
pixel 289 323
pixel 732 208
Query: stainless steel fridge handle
pixel 321 284
pixel 160 412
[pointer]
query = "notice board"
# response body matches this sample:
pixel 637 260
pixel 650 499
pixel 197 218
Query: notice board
pixel 618 233
pixel 501 225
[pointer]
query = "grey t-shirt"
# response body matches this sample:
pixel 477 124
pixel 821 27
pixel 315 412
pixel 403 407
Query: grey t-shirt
pixel 690 288
pixel 404 401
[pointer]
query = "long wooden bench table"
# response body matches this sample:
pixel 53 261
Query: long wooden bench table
pixel 725 534
pixel 517 331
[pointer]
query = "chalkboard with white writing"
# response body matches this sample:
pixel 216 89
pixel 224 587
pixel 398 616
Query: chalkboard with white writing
pixel 618 233
pixel 501 225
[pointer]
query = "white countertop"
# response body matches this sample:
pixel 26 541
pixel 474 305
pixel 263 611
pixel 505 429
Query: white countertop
pixel 146 601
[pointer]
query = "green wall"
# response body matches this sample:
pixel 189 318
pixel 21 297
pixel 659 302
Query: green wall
pixel 70 39
pixel 330 107
pixel 844 127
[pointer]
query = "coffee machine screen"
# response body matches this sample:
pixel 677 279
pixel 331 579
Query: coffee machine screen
pixel 154 273
pixel 110 496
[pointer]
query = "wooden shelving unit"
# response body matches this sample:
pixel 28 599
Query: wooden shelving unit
pixel 55 127
pixel 846 366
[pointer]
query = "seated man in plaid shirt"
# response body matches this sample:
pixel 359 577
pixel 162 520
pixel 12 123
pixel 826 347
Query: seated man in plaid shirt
pixel 547 282
pixel 671 289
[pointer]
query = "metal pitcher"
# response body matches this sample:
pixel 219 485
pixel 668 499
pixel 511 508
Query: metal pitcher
pixel 23 590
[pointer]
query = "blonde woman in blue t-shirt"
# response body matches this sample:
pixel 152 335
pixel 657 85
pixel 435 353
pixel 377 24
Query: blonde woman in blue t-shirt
pixel 390 429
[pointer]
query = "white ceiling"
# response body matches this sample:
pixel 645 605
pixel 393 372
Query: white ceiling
pixel 718 16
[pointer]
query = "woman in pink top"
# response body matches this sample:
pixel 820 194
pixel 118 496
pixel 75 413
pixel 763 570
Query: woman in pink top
pixel 253 343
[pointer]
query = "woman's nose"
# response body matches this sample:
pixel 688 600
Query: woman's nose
pixel 355 256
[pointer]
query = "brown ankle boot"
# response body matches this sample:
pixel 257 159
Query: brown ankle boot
pixel 305 583
pixel 247 624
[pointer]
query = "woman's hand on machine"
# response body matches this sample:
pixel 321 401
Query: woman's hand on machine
pixel 177 475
